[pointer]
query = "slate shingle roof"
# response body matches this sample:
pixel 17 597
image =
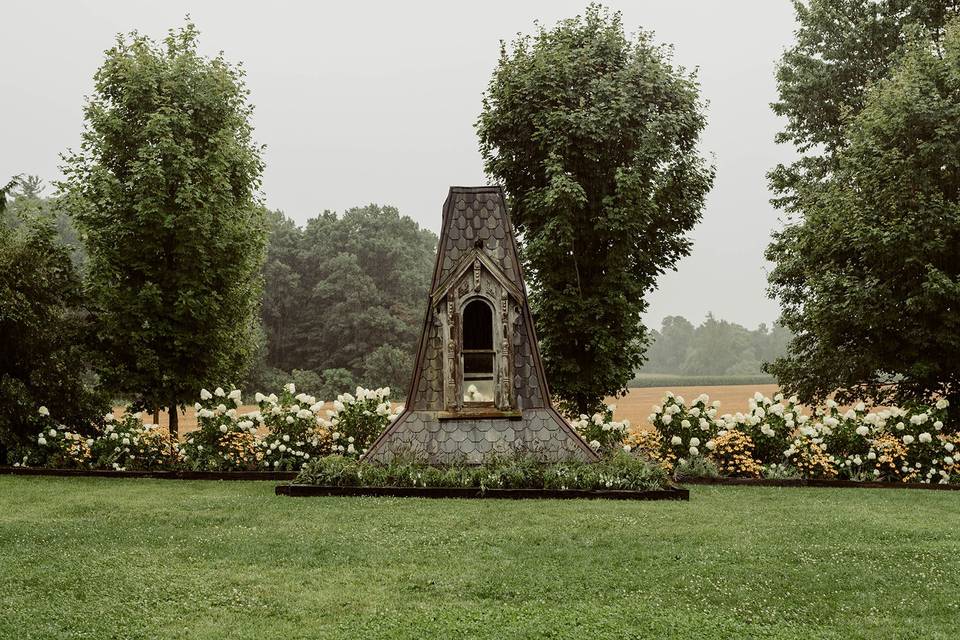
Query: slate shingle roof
pixel 476 217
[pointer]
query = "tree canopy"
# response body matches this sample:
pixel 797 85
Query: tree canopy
pixel 867 270
pixel 347 293
pixel 164 191
pixel 44 328
pixel 594 137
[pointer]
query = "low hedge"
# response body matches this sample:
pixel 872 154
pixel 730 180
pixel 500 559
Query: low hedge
pixel 619 471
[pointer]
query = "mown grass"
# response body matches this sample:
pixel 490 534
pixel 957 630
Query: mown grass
pixel 101 558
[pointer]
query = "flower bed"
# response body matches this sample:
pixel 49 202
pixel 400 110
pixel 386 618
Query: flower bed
pixel 776 440
pixel 282 435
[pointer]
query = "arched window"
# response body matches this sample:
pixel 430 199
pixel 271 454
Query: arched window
pixel 478 353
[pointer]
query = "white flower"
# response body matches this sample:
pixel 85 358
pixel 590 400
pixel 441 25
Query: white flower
pixel 259 397
pixel 685 424
pixel 223 428
pixel 282 448
pixel 924 437
pixel 863 430
pixel 694 451
pixel 205 395
pixel 290 419
pixel 675 440
pixel 711 445
pixel 594 444
pixel 667 417
pixel 948 460
pixel 205 413
pixel 938 425
pixel 41 441
pixel 871 456
pixel 304 413
pixel 336 435
pixel 290 387
pixel 949 447
pixel 908 439
pixel 43 411
pixel 694 442
pixel 286 438
pixel 350 439
pixel 219 392
pixel 351 449
pixel 942 403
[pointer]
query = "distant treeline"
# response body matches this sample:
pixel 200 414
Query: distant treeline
pixel 714 348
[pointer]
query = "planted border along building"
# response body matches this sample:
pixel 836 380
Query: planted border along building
pixel 478 387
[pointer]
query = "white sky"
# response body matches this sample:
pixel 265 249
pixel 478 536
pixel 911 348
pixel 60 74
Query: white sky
pixel 363 102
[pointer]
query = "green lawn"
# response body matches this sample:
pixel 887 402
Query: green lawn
pixel 101 558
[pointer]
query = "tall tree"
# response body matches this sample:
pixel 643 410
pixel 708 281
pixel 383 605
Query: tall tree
pixel 44 359
pixel 868 272
pixel 164 191
pixel 594 137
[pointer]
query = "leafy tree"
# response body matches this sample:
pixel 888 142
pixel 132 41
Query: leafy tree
pixel 43 329
pixel 163 191
pixel 869 276
pixel 343 287
pixel 594 136
pixel 388 366
pixel 668 346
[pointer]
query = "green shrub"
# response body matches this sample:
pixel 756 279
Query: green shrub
pixel 619 471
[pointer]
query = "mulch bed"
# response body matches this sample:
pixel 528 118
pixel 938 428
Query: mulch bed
pixel 309 490
pixel 848 484
pixel 162 475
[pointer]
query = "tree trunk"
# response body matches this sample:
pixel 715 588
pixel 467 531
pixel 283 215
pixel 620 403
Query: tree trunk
pixel 174 420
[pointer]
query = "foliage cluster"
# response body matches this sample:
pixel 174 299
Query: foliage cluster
pixel 594 136
pixel 866 267
pixel 516 472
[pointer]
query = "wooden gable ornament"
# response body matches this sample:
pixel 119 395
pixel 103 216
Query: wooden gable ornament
pixel 478 387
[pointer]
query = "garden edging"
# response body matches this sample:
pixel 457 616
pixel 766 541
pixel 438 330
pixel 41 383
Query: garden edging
pixel 160 475
pixel 819 483
pixel 673 492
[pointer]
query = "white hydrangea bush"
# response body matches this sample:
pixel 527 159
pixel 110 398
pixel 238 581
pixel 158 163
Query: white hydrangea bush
pixel 294 430
pixel 604 434
pixel 687 431
pixel 56 446
pixel 127 443
pixel 909 444
pixel 355 420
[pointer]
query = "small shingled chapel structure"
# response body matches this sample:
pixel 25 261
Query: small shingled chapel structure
pixel 478 387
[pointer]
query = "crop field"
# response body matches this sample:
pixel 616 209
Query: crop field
pixel 637 404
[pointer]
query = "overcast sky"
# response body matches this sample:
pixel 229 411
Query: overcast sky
pixel 361 102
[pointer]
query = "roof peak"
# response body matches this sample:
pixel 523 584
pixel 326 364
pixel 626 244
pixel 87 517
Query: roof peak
pixel 487 188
